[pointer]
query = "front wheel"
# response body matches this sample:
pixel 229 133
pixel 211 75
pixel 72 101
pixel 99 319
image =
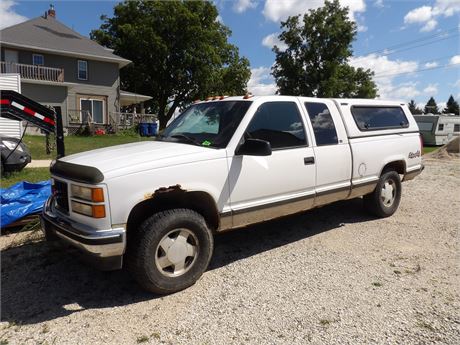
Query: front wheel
pixel 384 200
pixel 171 251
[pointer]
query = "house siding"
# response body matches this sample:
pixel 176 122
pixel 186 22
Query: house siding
pixel 103 80
pixel 10 128
pixel 47 95
pixel 99 72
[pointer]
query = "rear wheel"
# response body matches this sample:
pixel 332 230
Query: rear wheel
pixel 170 251
pixel 384 200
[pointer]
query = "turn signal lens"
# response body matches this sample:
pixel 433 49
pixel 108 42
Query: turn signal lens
pixel 97 195
pixel 98 211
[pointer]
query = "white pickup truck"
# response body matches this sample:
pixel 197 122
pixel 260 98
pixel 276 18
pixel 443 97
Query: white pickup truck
pixel 226 163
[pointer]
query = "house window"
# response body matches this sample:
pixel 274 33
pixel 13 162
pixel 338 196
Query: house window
pixel 82 70
pixel 93 107
pixel 38 59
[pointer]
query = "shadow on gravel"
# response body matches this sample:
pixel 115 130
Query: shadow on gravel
pixel 41 282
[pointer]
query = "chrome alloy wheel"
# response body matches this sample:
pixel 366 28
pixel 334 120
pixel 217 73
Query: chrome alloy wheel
pixel 388 193
pixel 177 252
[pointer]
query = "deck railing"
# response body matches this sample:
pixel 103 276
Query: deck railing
pixel 33 72
pixel 116 120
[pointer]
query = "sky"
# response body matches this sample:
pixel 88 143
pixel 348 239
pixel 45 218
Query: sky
pixel 411 45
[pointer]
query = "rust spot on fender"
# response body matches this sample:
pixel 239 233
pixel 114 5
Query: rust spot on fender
pixel 162 190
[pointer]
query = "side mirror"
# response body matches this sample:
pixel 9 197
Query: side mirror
pixel 254 147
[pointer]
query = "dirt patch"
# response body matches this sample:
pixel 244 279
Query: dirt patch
pixel 448 151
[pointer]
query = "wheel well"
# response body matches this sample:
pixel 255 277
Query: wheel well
pixel 398 166
pixel 170 198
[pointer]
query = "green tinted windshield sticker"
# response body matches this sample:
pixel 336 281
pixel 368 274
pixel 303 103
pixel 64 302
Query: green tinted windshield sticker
pixel 206 143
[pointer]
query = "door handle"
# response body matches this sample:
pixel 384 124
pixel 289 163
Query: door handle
pixel 309 160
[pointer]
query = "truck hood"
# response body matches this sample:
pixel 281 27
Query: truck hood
pixel 124 159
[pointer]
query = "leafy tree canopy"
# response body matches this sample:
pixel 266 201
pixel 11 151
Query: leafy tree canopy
pixel 451 106
pixel 431 107
pixel 413 108
pixel 315 62
pixel 180 52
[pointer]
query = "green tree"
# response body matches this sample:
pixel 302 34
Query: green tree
pixel 315 62
pixel 413 108
pixel 451 106
pixel 180 52
pixel 431 107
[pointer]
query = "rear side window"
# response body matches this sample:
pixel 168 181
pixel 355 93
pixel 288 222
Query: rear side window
pixel 370 118
pixel 279 123
pixel 322 123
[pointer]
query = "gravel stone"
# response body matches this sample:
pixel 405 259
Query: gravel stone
pixel 333 275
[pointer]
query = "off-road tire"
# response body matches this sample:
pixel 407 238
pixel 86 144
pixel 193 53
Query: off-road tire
pixel 143 247
pixel 374 202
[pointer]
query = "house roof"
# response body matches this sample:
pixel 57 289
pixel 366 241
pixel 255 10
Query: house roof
pixel 50 35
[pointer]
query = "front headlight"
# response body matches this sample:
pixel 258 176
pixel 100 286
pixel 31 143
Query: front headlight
pixel 95 211
pixel 11 145
pixel 87 193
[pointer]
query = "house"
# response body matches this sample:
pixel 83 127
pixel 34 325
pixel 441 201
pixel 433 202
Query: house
pixel 61 68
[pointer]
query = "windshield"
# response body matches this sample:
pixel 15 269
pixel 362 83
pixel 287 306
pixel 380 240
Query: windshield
pixel 207 124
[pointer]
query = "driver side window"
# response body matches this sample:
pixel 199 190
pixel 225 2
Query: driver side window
pixel 280 124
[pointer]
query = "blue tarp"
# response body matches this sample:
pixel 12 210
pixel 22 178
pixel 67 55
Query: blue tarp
pixel 22 199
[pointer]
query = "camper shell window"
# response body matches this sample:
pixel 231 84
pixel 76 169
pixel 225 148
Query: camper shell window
pixel 373 118
pixel 441 127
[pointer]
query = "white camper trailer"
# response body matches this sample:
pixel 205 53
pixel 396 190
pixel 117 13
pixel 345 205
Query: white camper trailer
pixel 10 128
pixel 437 130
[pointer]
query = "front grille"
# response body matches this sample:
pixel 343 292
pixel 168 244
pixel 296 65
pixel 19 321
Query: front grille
pixel 62 196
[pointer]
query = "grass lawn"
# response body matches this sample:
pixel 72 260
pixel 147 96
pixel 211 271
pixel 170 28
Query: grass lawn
pixel 29 175
pixel 428 149
pixel 75 144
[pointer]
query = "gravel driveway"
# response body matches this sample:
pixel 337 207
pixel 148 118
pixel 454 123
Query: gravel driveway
pixel 329 276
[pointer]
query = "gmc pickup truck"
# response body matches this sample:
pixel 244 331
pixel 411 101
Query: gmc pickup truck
pixel 226 163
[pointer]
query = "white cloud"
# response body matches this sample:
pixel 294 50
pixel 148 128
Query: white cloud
pixel 431 89
pixel 429 15
pixel 220 19
pixel 429 26
pixel 277 10
pixel 362 28
pixel 457 83
pixel 455 59
pixel 261 82
pixel 419 15
pixel 431 64
pixel 385 70
pixel 272 40
pixel 379 3
pixel 241 6
pixel 8 16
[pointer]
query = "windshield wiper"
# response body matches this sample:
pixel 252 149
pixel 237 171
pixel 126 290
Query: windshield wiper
pixel 186 137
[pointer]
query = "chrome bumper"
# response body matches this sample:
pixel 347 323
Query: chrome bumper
pixel 105 247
